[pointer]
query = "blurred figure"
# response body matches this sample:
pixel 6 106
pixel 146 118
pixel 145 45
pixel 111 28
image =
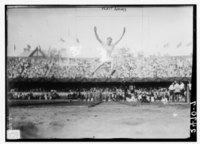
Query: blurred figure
pixel 177 91
pixel 171 91
pixel 189 86
pixel 164 100
pixel 182 93
pixel 108 48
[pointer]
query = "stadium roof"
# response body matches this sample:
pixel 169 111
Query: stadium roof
pixel 35 53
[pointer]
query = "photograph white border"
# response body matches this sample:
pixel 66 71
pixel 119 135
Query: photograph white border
pixel 77 2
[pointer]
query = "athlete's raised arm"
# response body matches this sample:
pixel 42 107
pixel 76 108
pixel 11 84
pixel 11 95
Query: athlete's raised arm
pixel 95 31
pixel 120 37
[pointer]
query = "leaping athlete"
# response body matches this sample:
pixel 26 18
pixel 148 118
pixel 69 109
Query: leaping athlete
pixel 108 47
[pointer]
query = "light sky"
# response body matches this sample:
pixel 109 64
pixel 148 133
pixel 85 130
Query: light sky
pixel 148 29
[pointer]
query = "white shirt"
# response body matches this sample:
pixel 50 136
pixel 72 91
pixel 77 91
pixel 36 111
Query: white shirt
pixel 171 87
pixel 189 85
pixel 104 57
pixel 177 87
pixel 182 86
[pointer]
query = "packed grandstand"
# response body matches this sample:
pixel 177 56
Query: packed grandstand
pixel 129 68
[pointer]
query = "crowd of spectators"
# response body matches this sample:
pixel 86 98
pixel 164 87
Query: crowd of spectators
pixel 174 93
pixel 126 67
pixel 28 67
pixel 32 95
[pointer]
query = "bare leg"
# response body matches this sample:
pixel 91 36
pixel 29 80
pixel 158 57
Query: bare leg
pixel 111 69
pixel 98 67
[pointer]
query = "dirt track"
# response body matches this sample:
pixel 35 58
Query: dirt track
pixel 107 120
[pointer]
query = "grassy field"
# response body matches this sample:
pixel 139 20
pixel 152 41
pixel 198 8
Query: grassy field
pixel 106 120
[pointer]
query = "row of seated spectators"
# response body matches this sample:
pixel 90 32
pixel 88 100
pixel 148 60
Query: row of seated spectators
pixel 126 67
pixel 98 93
